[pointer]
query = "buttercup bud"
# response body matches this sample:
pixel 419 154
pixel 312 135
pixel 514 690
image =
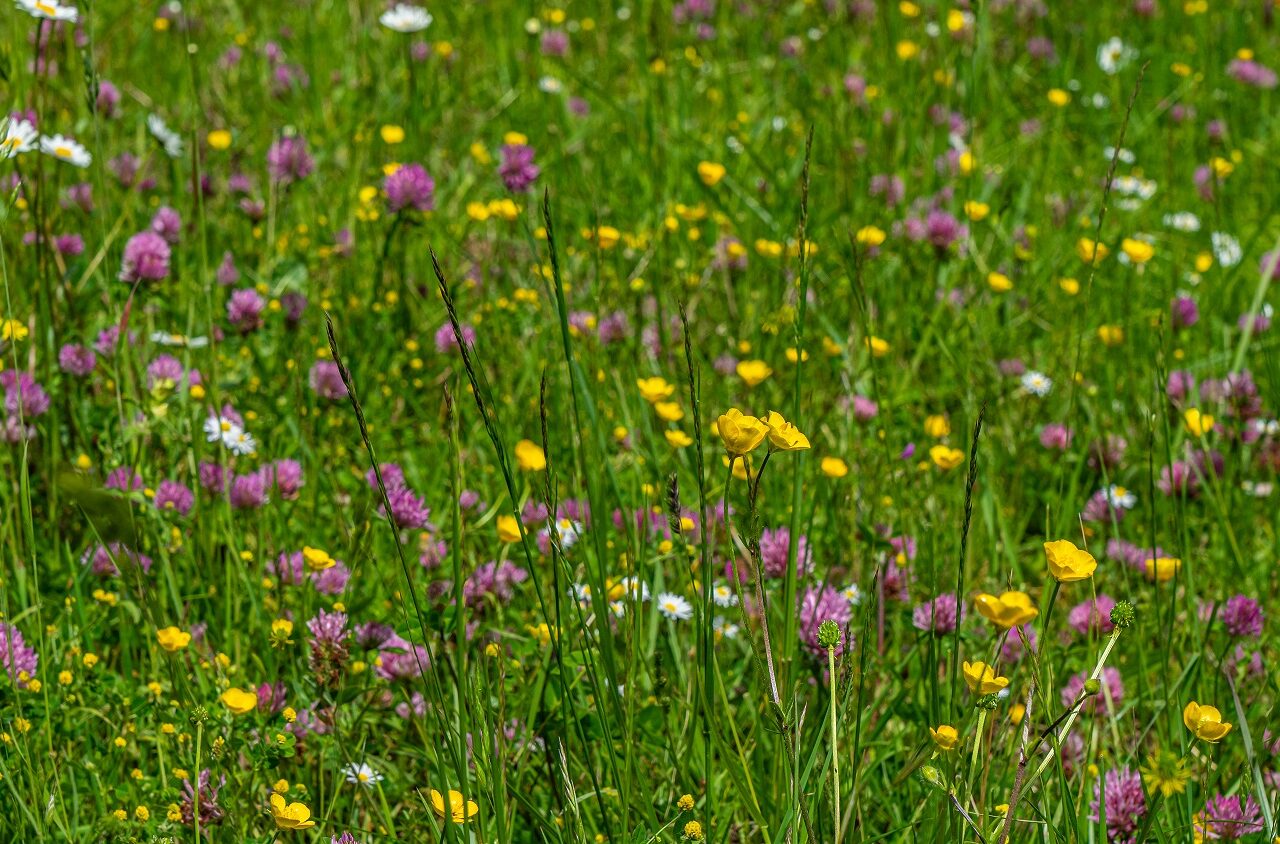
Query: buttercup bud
pixel 1122 614
pixel 828 634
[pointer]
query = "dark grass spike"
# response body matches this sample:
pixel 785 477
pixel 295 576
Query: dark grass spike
pixel 433 659
pixel 970 483
pixel 504 464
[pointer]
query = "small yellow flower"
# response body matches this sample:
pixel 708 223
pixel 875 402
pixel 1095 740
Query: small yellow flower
pixel 999 282
pixel 685 803
pixel 173 639
pixel 1090 251
pixel 655 389
pixel 1067 563
pixel 945 457
pixel 937 426
pixel 834 467
pixel 693 831
pixel 710 173
pixel 878 347
pixel 1069 286
pixel 1162 569
pixel 1111 335
pixel 11 330
pixel 1197 424
pixel 282 627
pixel 982 678
pixel 1059 97
pixel 239 701
pixel 530 456
pixel 460 809
pixel 317 559
pixel 1205 722
pixel 391 134
pixel 1139 251
pixel 976 211
pixel 678 438
pixel 219 139
pixel 945 737
pixel 870 236
pixel 290 815
pixel 753 371
pixel 508 529
pixel 1008 609
pixel 741 434
pixel 784 436
pixel 907 50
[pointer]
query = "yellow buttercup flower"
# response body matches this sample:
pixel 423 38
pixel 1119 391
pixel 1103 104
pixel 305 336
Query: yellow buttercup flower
pixel 937 426
pixel 982 678
pixel 1205 722
pixel 1067 563
pixel 784 436
pixel 834 467
pixel 945 457
pixel 870 236
pixel 1197 424
pixel 1008 609
pixel 508 529
pixel 678 438
pixel 460 809
pixel 239 701
pixel 291 815
pixel 1162 568
pixel 1111 335
pixel 219 139
pixel 945 737
pixel 173 639
pixel 655 389
pixel 710 173
pixel 391 134
pixel 741 434
pixel 530 456
pixel 1091 251
pixel 753 371
pixel 999 282
pixel 1138 251
pixel 317 559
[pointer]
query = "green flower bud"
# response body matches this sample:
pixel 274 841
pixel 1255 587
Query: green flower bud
pixel 828 634
pixel 1122 614
pixel 1092 686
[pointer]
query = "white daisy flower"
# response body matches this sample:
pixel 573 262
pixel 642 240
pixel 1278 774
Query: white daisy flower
pixel 164 338
pixel 19 137
pixel 550 85
pixel 674 607
pixel 1036 383
pixel 852 594
pixel 568 531
pixel 217 427
pixel 1113 55
pixel 1119 497
pixel 242 443
pixel 582 592
pixel 169 139
pixel 634 587
pixel 1183 221
pixel 1135 187
pixel 362 774
pixel 406 17
pixel 50 11
pixel 724 596
pixel 1226 249
pixel 1257 489
pixel 1124 156
pixel 65 149
pixel 725 628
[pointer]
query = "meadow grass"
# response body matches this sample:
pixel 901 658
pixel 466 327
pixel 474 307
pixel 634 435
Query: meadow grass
pixel 733 421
